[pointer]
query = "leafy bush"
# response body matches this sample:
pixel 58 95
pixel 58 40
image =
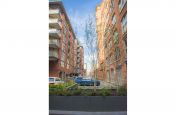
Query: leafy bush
pixel 122 91
pixel 105 92
pixel 76 92
pixel 86 93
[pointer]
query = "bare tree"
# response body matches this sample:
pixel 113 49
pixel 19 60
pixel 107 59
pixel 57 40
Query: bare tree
pixel 91 44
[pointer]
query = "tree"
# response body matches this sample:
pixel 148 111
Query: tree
pixel 91 44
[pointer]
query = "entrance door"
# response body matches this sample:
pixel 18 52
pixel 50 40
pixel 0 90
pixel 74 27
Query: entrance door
pixel 112 76
pixel 119 75
pixel 108 76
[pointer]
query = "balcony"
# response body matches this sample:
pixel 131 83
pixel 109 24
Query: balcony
pixel 54 33
pixel 78 56
pixel 53 55
pixel 78 50
pixel 53 43
pixel 55 24
pixel 78 61
pixel 54 14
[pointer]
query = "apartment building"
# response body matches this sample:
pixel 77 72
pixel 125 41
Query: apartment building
pixel 111 20
pixel 79 59
pixel 61 42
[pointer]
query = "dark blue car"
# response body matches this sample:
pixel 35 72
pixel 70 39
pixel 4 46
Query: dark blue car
pixel 78 79
pixel 89 82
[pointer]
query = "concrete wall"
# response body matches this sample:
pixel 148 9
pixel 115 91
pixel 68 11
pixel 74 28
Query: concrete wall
pixel 88 103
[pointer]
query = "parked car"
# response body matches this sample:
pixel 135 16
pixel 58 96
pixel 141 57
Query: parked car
pixel 78 79
pixel 89 82
pixel 55 80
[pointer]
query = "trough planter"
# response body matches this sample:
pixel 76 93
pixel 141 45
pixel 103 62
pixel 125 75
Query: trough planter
pixel 88 103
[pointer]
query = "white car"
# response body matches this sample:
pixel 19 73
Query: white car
pixel 55 80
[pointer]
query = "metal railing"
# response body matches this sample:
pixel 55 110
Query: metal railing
pixel 54 42
pixel 53 31
pixel 53 53
pixel 56 11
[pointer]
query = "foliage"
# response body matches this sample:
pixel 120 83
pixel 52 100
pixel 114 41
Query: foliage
pixel 76 92
pixel 84 92
pixel 122 91
pixel 105 92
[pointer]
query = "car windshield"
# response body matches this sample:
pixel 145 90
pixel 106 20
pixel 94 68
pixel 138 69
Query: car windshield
pixel 57 79
pixel 51 79
pixel 86 79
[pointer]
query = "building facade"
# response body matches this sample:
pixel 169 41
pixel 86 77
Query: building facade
pixel 79 60
pixel 111 20
pixel 61 42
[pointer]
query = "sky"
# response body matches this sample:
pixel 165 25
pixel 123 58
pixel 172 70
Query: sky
pixel 78 12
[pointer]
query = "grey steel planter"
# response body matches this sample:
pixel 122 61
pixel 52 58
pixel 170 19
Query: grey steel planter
pixel 88 103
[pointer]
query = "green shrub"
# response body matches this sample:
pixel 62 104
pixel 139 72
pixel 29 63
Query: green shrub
pixel 105 92
pixel 122 91
pixel 76 92
pixel 84 93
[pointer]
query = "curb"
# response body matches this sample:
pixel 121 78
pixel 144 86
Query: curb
pixel 60 112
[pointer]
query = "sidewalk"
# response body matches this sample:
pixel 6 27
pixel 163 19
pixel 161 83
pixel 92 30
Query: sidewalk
pixel 107 85
pixel 58 112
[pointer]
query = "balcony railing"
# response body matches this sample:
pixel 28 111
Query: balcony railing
pixel 54 14
pixel 78 56
pixel 55 24
pixel 53 55
pixel 54 43
pixel 56 11
pixel 54 32
pixel 53 21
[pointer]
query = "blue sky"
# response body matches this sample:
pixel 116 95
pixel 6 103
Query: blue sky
pixel 78 12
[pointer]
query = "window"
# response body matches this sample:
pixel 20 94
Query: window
pixel 124 23
pixel 65 30
pixel 125 47
pixel 110 59
pixel 119 74
pixel 64 38
pixel 108 76
pixel 115 36
pixel 63 56
pixel 51 79
pixel 111 6
pixel 62 59
pixel 112 75
pixel 110 44
pixel 68 64
pixel 107 61
pixel 125 44
pixel 117 52
pixel 114 19
pixel 122 4
pixel 62 63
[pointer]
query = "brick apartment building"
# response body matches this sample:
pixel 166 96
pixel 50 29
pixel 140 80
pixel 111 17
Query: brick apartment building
pixel 111 20
pixel 79 59
pixel 62 48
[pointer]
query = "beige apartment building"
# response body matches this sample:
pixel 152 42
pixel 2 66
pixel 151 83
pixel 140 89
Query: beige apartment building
pixel 111 20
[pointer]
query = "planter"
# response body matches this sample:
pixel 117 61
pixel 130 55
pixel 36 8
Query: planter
pixel 88 103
